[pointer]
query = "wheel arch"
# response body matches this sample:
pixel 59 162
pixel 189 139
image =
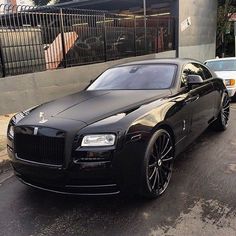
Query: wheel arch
pixel 166 127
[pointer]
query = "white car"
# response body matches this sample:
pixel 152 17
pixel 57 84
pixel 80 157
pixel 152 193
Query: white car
pixel 225 68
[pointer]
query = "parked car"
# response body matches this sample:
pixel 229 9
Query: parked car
pixel 96 45
pixel 122 133
pixel 125 43
pixel 225 68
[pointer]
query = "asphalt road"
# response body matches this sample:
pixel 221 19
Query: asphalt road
pixel 201 200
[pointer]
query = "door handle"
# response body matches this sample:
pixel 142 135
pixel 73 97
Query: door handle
pixel 192 99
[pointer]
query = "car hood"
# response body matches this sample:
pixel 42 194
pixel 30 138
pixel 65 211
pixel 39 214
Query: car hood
pixel 90 106
pixel 226 74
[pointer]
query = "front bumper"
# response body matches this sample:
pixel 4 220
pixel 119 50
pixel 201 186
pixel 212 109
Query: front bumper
pixel 71 190
pixel 119 174
pixel 79 178
pixel 65 185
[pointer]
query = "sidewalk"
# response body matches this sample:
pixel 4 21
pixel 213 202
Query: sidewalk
pixel 4 160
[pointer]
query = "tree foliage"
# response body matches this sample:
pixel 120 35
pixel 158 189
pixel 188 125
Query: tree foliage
pixel 225 11
pixel 224 26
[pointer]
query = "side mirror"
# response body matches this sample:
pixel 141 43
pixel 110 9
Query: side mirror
pixel 194 80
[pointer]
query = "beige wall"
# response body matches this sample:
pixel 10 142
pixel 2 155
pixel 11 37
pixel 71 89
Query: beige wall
pixel 200 52
pixel 23 91
pixel 198 41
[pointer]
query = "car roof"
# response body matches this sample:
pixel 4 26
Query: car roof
pixel 178 61
pixel 221 59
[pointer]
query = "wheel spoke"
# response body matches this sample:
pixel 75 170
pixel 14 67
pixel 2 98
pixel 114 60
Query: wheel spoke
pixel 152 165
pixel 164 155
pixel 154 156
pixel 163 142
pixel 226 112
pixel 226 115
pixel 159 143
pixel 158 179
pixel 167 143
pixel 226 99
pixel 155 179
pixel 155 149
pixel 227 102
pixel 226 107
pixel 153 173
pixel 168 159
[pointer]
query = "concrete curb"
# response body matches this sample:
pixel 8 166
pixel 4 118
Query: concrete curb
pixel 4 162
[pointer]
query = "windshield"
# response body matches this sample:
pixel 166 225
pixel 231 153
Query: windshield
pixel 222 65
pixel 155 76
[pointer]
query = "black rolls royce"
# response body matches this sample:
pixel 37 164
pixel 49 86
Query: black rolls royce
pixel 122 133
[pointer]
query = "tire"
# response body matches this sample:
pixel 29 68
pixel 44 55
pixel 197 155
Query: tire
pixel 157 165
pixel 222 121
pixel 233 99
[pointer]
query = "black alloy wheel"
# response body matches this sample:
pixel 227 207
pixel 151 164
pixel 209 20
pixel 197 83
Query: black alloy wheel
pixel 222 121
pixel 225 111
pixel 158 164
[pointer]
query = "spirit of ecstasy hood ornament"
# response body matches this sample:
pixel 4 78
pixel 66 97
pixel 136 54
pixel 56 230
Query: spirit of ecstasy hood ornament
pixel 42 118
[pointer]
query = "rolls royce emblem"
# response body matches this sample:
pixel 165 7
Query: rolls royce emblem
pixel 42 118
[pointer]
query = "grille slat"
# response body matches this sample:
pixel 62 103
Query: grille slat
pixel 40 149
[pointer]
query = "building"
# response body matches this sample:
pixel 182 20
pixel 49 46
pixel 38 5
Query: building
pixel 195 26
pixel 43 39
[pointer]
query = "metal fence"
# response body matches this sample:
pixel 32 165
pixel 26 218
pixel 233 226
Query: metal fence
pixel 42 38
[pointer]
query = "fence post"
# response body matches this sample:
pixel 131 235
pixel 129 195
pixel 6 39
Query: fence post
pixel 63 39
pixel 176 35
pixel 2 59
pixel 2 62
pixel 105 36
pixel 145 24
pixel 135 36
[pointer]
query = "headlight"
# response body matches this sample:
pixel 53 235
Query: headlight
pixel 98 140
pixel 229 82
pixel 11 131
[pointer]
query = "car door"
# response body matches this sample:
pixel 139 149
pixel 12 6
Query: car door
pixel 200 98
